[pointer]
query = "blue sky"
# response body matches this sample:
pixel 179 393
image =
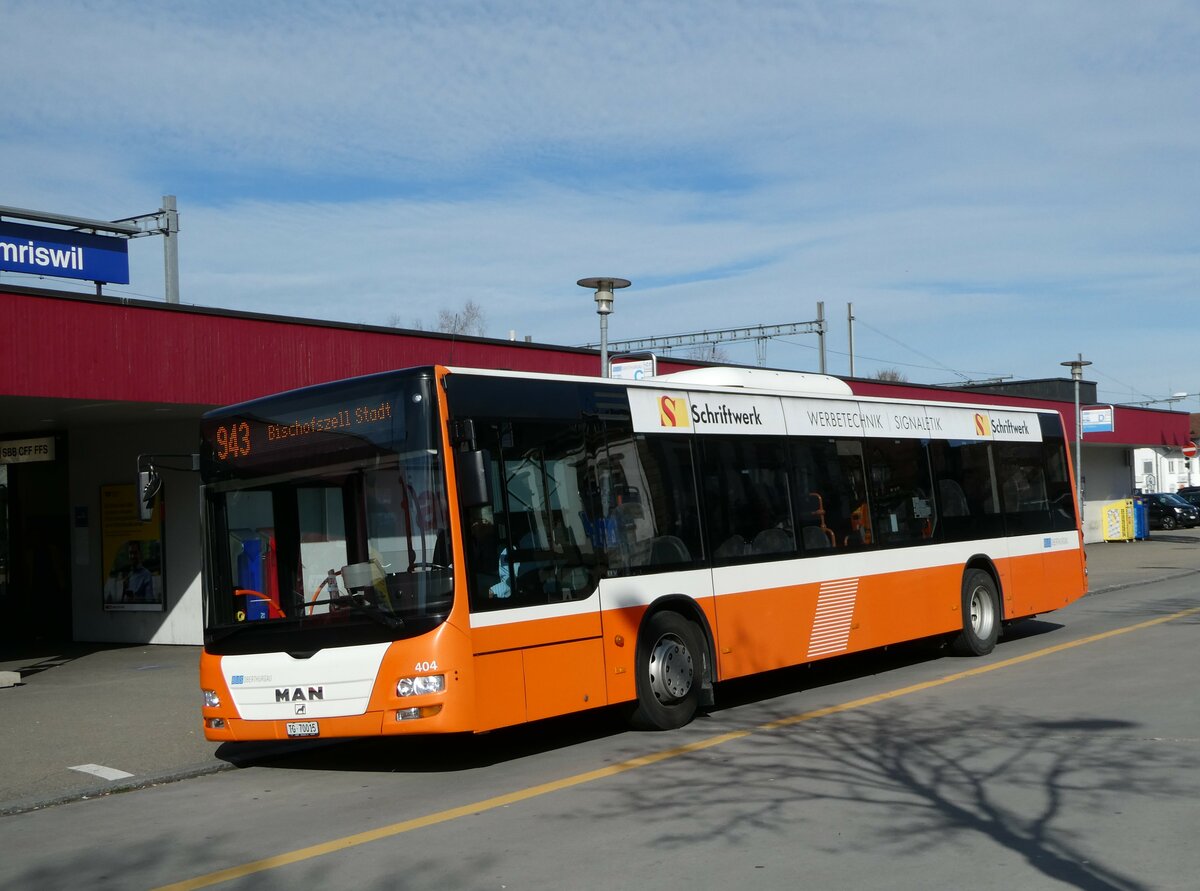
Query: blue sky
pixel 995 186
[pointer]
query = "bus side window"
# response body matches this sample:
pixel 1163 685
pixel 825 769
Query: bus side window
pixel 536 542
pixel 832 508
pixel 901 491
pixel 653 518
pixel 1034 487
pixel 968 497
pixel 747 485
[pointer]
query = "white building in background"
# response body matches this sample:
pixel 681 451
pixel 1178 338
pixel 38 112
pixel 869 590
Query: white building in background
pixel 1163 470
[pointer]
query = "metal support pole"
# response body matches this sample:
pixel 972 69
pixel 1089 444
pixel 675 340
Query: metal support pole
pixel 850 325
pixel 1076 367
pixel 821 331
pixel 604 343
pixel 170 233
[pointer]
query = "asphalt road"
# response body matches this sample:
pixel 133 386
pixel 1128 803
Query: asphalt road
pixel 1067 758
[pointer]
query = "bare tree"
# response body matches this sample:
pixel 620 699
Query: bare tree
pixel 708 352
pixel 890 374
pixel 469 320
pixel 396 321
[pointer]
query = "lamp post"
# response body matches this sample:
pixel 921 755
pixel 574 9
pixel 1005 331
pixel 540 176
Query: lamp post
pixel 1076 365
pixel 604 287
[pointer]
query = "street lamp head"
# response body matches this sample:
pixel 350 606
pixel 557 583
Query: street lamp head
pixel 604 287
pixel 1076 366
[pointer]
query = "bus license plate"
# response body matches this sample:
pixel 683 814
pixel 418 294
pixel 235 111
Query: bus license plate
pixel 302 728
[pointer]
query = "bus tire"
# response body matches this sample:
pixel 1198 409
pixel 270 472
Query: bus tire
pixel 980 614
pixel 669 672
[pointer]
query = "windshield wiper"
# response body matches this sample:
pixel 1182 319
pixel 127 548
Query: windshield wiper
pixel 215 635
pixel 370 610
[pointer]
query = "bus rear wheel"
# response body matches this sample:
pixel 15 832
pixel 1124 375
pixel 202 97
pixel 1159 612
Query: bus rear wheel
pixel 980 615
pixel 669 672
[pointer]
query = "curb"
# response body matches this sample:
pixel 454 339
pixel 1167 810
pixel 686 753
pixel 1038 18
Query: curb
pixel 1158 578
pixel 246 755
pixel 24 806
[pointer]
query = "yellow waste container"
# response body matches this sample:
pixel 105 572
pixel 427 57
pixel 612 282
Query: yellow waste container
pixel 1118 520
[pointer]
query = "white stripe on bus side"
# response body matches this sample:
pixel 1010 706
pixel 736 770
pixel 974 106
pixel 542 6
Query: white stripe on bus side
pixel 642 590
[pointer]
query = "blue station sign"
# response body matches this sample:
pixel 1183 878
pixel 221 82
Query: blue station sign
pixel 1097 419
pixel 63 253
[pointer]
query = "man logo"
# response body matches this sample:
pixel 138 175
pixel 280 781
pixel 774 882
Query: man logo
pixel 673 412
pixel 983 426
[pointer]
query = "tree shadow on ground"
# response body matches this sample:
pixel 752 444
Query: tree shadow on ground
pixel 919 783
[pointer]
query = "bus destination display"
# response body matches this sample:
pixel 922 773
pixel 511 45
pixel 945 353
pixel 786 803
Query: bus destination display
pixel 236 438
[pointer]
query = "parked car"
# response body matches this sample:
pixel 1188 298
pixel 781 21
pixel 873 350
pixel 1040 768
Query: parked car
pixel 1167 511
pixel 1190 494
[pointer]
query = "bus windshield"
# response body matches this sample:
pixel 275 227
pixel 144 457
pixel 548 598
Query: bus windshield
pixel 326 517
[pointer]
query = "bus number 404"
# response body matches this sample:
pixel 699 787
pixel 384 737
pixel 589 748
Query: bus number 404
pixel 425 666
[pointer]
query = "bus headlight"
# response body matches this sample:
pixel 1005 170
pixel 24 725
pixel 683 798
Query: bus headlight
pixel 429 683
pixel 211 699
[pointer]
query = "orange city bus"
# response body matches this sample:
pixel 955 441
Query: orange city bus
pixel 446 549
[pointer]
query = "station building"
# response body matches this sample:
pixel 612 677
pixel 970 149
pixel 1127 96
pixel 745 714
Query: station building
pixel 90 383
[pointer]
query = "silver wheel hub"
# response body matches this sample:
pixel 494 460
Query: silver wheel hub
pixel 982 612
pixel 671 670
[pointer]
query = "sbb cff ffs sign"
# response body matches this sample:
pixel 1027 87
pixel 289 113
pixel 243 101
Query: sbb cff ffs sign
pixel 25 451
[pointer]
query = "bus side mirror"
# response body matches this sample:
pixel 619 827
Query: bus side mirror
pixel 471 470
pixel 149 484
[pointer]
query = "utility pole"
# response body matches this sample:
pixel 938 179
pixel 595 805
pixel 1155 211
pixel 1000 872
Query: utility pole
pixel 164 222
pixel 821 332
pixel 1076 366
pixel 170 233
pixel 850 326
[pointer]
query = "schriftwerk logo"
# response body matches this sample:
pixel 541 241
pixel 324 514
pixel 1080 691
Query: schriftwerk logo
pixel 983 424
pixel 673 412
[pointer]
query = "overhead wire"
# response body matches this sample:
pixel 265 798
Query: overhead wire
pixel 858 356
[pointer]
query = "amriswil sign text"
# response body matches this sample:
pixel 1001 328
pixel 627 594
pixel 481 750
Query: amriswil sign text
pixel 63 253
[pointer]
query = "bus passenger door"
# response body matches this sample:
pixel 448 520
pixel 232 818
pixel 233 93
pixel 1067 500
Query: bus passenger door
pixel 533 573
pixel 646 523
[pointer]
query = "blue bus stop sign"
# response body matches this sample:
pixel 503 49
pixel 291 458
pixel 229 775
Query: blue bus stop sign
pixel 63 253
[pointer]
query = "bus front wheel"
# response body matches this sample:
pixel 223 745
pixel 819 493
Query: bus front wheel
pixel 980 615
pixel 669 669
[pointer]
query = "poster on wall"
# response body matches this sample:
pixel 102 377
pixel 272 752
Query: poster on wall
pixel 132 552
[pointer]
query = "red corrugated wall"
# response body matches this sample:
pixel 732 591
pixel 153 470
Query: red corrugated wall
pixel 79 347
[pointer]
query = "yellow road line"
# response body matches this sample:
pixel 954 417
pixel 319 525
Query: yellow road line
pixel 362 838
